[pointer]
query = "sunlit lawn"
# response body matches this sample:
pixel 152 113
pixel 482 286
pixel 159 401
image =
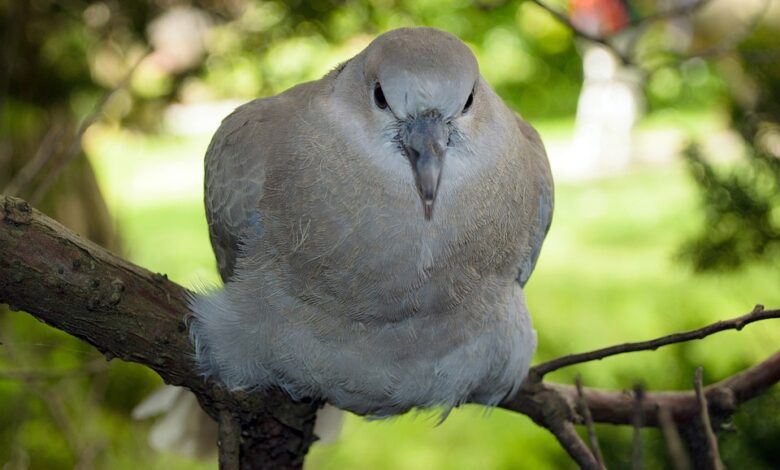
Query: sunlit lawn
pixel 608 273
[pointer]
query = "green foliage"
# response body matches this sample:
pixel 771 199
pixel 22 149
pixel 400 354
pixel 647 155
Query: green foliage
pixel 752 444
pixel 524 53
pixel 741 211
pixel 607 274
pixel 691 85
pixel 742 206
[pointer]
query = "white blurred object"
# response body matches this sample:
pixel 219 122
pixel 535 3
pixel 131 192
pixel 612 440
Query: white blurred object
pixel 330 421
pixel 197 118
pixel 178 38
pixel 186 429
pixel 609 106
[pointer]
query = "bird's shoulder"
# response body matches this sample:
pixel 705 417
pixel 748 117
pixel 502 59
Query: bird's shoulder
pixel 540 193
pixel 235 168
pixel 250 139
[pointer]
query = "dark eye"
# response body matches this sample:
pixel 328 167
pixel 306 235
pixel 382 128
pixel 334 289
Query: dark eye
pixel 379 97
pixel 469 101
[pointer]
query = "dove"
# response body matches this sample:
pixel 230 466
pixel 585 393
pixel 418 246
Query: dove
pixel 375 230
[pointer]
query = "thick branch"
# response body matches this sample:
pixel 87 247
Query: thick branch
pixel 618 407
pixel 77 286
pixel 128 312
pixel 229 441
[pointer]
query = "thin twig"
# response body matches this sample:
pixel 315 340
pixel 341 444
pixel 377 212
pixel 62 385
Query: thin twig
pixel 588 419
pixel 38 375
pixel 637 461
pixel 674 444
pixel 51 400
pixel 95 398
pixel 624 57
pixel 712 440
pixel 627 56
pixel 674 12
pixel 597 38
pixel 732 40
pixel 724 46
pixel 74 145
pixel 43 154
pixel 737 323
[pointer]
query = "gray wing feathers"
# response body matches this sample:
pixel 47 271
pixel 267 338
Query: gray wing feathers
pixel 235 169
pixel 539 225
pixel 539 231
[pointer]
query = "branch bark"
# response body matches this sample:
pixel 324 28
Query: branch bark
pixel 130 313
pixel 618 406
pixel 628 54
pixel 584 411
pixel 737 323
pixel 713 455
pixel 674 444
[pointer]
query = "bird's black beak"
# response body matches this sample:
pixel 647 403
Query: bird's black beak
pixel 425 140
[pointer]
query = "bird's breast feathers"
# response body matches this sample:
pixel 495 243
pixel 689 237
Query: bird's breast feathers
pixel 370 241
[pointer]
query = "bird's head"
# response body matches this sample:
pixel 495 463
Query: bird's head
pixel 420 84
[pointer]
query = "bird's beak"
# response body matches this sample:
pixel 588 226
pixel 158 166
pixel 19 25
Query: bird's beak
pixel 425 142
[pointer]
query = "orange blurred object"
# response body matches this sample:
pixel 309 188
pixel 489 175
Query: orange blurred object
pixel 599 17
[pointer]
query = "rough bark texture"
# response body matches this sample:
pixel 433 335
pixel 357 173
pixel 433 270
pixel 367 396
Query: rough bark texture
pixel 130 313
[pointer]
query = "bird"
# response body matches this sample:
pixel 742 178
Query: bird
pixel 375 230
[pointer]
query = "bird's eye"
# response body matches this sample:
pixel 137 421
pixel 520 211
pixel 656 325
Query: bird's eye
pixel 469 101
pixel 379 97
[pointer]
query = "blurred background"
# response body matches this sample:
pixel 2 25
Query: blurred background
pixel 665 147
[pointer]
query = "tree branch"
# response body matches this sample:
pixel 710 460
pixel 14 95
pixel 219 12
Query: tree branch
pixel 25 375
pixel 674 444
pixel 229 442
pixel 584 411
pixel 737 323
pixel 568 438
pixel 682 9
pixel 617 406
pixel 128 312
pixel 637 420
pixel 627 55
pixel 713 455
pixel 72 149
pixel 581 33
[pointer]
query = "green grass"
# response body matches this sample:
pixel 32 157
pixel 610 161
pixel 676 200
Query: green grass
pixel 608 273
